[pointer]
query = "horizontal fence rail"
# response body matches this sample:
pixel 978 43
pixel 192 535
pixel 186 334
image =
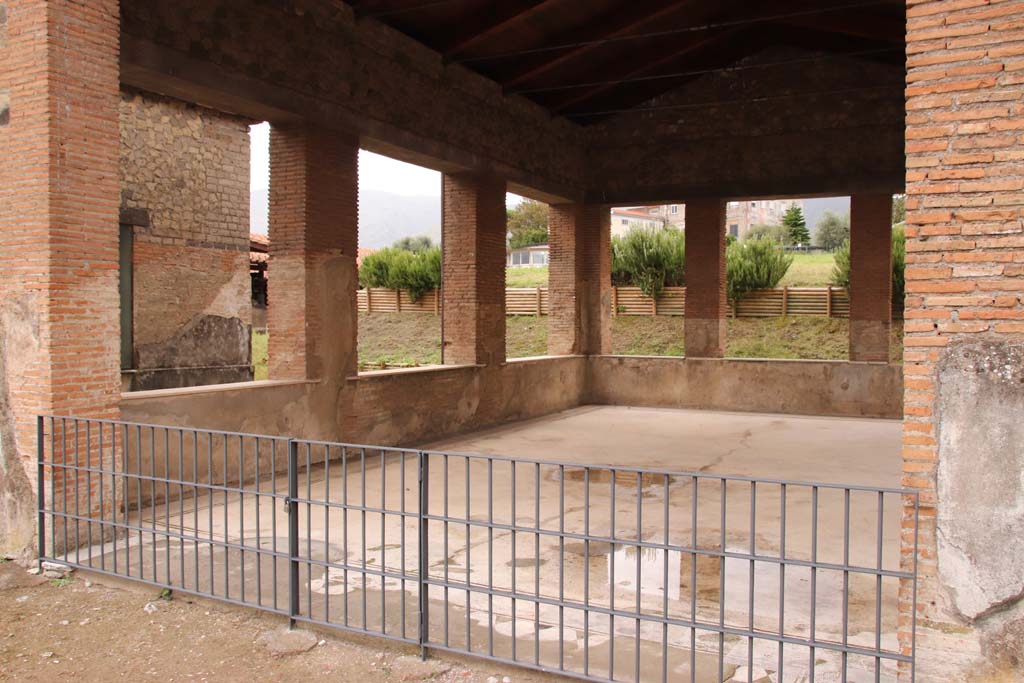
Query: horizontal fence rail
pixel 600 573
pixel 829 302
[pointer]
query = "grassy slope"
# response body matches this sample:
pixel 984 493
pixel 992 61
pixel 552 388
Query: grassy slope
pixel 526 277
pixel 397 339
pixel 415 339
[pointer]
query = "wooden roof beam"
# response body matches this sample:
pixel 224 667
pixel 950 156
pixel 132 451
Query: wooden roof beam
pixel 489 22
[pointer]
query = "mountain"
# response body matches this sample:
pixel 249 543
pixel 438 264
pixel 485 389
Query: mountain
pixel 384 217
pixel 814 209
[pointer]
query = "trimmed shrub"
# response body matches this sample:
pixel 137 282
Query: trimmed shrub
pixel 394 268
pixel 754 264
pixel 649 259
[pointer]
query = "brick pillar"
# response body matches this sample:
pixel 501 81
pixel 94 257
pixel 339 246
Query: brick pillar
pixel 473 279
pixel 870 276
pixel 579 283
pixel 964 339
pixel 706 305
pixel 59 326
pixel 314 194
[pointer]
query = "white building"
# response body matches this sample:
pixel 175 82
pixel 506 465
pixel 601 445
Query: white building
pixel 741 216
pixel 625 219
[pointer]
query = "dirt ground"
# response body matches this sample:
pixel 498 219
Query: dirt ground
pixel 95 629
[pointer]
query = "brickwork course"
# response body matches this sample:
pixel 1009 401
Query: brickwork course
pixel 705 267
pixel 925 97
pixel 314 206
pixel 473 269
pixel 579 239
pixel 870 276
pixel 58 296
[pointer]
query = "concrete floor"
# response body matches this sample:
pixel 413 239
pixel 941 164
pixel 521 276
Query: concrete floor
pixel 522 553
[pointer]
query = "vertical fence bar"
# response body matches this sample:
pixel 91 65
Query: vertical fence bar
pixel 424 543
pixel 813 632
pixel 913 592
pixel 781 666
pixel 293 531
pixel 41 486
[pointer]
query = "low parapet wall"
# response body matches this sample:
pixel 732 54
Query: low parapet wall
pixel 801 387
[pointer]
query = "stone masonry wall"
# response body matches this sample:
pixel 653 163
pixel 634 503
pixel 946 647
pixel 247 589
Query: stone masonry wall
pixel 184 175
pixel 963 444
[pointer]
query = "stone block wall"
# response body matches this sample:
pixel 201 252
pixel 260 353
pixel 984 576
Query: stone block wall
pixel 184 174
pixel 963 444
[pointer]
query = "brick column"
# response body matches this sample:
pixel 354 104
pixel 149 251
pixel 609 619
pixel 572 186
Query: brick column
pixel 579 283
pixel 312 318
pixel 473 279
pixel 870 276
pixel 706 305
pixel 59 323
pixel 963 359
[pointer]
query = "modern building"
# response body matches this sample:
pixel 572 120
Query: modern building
pixel 534 256
pixel 625 219
pixel 741 216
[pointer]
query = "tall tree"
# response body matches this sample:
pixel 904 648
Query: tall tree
pixel 832 231
pixel 528 224
pixel 899 208
pixel 795 225
pixel 414 244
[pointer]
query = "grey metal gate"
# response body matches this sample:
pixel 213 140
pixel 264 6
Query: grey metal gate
pixel 601 573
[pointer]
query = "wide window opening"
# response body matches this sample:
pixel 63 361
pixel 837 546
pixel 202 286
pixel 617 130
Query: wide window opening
pixel 648 280
pixel 527 264
pixel 399 261
pixel 787 279
pixel 259 244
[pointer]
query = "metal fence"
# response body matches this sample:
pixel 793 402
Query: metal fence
pixel 601 573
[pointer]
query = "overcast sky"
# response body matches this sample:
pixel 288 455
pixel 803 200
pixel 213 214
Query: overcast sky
pixel 375 172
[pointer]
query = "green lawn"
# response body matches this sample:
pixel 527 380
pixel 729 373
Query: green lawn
pixel 526 277
pixel 809 270
pixel 259 355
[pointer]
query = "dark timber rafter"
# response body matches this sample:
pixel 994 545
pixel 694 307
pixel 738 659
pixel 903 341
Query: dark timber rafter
pixel 628 71
pixel 579 58
pixel 634 19
pixel 488 22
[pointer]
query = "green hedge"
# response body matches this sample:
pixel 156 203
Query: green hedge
pixel 654 259
pixel 649 259
pixel 416 272
pixel 754 264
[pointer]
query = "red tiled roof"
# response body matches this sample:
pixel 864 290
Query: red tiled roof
pixel 259 243
pixel 634 212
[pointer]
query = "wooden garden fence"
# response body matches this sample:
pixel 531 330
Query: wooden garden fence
pixel 829 302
